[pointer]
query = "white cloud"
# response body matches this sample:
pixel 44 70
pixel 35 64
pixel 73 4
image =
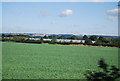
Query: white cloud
pixel 97 0
pixel 66 13
pixel 113 14
pixel 113 11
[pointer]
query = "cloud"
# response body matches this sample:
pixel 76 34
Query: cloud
pixel 97 0
pixel 113 11
pixel 113 14
pixel 66 13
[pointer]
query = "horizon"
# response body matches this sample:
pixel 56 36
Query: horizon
pixel 54 33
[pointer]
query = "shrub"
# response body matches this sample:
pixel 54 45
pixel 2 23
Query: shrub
pixel 108 73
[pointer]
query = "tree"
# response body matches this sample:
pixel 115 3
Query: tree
pixel 19 35
pixel 71 41
pixel 50 37
pixel 93 37
pixel 3 35
pixel 101 38
pixel 108 73
pixel 41 39
pixel 73 37
pixel 45 36
pixel 61 37
pixel 19 39
pixel 115 42
pixel 54 40
pixel 106 41
pixel 85 37
pixel 98 43
pixel 88 41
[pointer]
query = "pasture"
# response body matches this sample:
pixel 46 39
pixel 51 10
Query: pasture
pixel 42 61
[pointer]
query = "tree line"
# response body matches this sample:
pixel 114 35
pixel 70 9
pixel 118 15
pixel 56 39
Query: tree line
pixel 98 40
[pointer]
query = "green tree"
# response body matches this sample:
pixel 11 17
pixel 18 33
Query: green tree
pixel 98 43
pixel 73 37
pixel 106 41
pixel 88 42
pixel 54 40
pixel 85 37
pixel 3 35
pixel 20 35
pixel 41 39
pixel 71 41
pixel 46 37
pixel 19 39
pixel 50 37
pixel 62 37
pixel 93 37
pixel 115 42
pixel 101 38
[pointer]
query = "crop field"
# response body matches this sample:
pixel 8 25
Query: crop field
pixel 43 61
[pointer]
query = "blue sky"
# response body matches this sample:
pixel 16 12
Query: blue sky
pixel 60 17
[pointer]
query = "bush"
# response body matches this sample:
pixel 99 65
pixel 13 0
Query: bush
pixel 108 73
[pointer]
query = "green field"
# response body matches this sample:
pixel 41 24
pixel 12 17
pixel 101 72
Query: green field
pixel 42 61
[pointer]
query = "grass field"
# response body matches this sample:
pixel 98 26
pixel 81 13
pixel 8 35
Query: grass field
pixel 42 61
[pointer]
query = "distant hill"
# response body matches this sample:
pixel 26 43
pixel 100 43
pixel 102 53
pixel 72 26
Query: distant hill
pixel 112 37
pixel 80 36
pixel 37 35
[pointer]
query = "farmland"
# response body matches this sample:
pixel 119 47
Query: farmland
pixel 43 61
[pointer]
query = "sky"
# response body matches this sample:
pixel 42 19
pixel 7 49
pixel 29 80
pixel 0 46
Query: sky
pixel 60 17
pixel 59 0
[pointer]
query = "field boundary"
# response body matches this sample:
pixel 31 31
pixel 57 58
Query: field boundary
pixel 62 44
